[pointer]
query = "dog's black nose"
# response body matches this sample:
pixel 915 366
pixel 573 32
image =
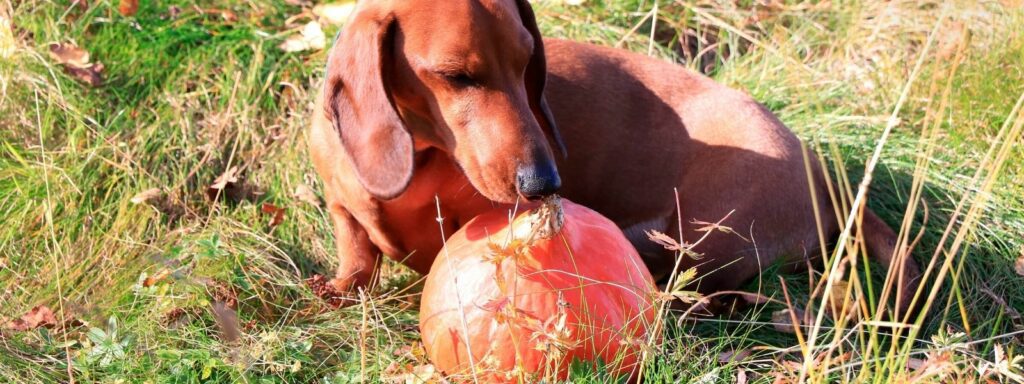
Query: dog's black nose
pixel 537 181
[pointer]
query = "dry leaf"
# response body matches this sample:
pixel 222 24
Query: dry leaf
pixel 225 14
pixel 173 317
pixel 408 374
pixel 709 226
pixel 733 355
pixel 173 12
pixel 40 316
pixel 311 38
pixel 672 245
pixel 128 7
pixel 915 364
pixel 423 373
pixel 227 321
pixel 152 280
pixel 741 376
pixel 334 13
pixel 229 176
pixel 92 75
pixel 783 322
pixel 69 54
pixel 838 298
pixel 230 186
pixel 146 196
pixel 276 213
pixel 7 42
pixel 305 194
pixel 665 241
pixel 76 63
pixel 1018 266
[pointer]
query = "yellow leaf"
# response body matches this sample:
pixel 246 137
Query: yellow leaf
pixel 334 13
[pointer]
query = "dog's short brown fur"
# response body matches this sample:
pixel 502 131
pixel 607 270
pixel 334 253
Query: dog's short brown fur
pixel 463 100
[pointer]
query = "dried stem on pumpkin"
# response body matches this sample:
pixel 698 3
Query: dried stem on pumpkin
pixel 544 222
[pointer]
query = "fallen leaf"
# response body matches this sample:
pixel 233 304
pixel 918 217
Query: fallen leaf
pixel 230 176
pixel 173 317
pixel 334 13
pixel 7 42
pixel 222 293
pixel 837 300
pixel 915 364
pixel 69 54
pixel 276 213
pixel 733 355
pixel 423 373
pixel 227 321
pixel 783 322
pixel 408 374
pixel 128 7
pixel 152 280
pixel 92 75
pixel 226 14
pixel 231 187
pixel 39 316
pixel 173 12
pixel 146 196
pixel 403 351
pixel 305 194
pixel 311 38
pixel 76 63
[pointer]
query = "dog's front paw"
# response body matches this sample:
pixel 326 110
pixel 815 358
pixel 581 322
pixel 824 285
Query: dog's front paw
pixel 335 292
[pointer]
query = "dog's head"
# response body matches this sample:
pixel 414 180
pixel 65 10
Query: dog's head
pixel 465 76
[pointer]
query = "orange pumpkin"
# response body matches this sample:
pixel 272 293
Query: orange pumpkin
pixel 528 303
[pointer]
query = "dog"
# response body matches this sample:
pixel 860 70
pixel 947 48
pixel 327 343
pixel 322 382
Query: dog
pixel 461 106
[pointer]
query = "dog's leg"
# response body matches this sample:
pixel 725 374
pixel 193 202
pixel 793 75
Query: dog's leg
pixel 358 258
pixel 657 259
pixel 881 243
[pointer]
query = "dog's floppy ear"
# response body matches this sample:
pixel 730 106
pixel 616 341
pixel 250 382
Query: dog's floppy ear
pixel 537 75
pixel 357 100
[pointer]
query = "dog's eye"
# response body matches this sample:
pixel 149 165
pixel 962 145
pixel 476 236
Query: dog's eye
pixel 460 78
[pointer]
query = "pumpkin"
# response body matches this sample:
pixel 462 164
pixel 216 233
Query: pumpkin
pixel 529 295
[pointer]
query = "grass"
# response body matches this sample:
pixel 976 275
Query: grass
pixel 185 98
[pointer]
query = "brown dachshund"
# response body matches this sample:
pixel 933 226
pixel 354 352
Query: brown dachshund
pixel 463 100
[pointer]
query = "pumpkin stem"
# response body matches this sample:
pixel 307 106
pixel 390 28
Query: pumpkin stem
pixel 547 220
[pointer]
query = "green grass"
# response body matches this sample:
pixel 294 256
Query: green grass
pixel 186 98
